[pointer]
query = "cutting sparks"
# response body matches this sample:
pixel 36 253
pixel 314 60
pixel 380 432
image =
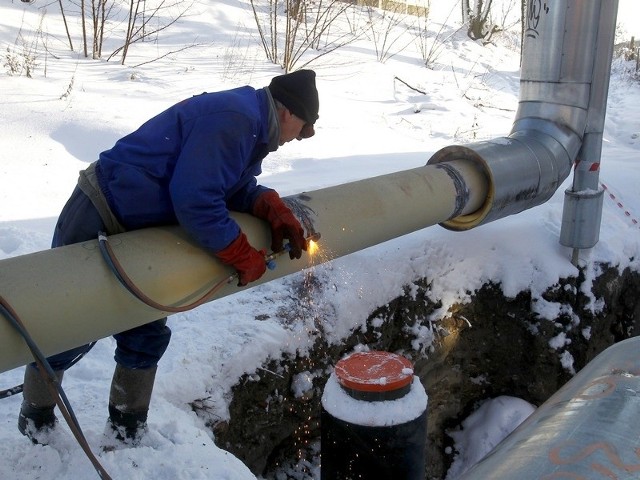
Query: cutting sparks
pixel 312 247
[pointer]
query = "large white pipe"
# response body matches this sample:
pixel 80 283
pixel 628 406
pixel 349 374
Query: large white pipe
pixel 67 296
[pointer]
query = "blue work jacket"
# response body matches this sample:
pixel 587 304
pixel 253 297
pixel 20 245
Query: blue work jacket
pixel 191 164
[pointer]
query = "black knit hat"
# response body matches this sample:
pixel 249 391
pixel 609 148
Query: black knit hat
pixel 297 91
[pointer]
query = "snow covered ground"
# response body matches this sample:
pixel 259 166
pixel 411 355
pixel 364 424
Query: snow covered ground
pixel 55 123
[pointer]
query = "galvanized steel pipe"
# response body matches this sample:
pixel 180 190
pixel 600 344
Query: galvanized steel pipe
pixel 582 212
pixel 565 61
pixel 67 296
pixel 587 429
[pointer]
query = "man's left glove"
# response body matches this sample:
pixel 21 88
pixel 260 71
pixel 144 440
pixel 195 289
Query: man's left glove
pixel 248 262
pixel 269 206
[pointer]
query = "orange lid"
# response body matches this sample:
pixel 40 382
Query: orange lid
pixel 374 371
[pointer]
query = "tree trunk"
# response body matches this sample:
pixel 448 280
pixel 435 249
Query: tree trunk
pixel 66 27
pixel 133 11
pixel 84 27
pixel 466 11
pixel 479 26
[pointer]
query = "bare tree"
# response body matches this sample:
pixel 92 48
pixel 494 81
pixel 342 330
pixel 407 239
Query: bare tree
pixel 431 45
pixel 22 57
pixel 84 28
pixel 387 26
pixel 290 28
pixel 503 13
pixel 293 21
pixel 478 20
pixel 134 6
pixel 268 36
pixel 66 27
pixel 99 17
pixel 138 20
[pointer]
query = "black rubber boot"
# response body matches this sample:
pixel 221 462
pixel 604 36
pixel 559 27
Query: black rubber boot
pixel 129 402
pixel 36 418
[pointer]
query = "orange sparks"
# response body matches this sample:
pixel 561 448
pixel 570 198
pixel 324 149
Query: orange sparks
pixel 312 248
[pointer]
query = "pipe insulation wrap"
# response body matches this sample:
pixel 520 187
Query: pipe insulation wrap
pixel 522 172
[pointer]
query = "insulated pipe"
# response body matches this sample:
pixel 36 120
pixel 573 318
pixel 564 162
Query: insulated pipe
pixel 587 429
pixel 564 65
pixel 67 296
pixel 374 419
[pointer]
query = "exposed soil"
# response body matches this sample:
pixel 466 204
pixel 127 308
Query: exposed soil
pixel 487 347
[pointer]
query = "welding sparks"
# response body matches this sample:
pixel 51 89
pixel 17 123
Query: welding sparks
pixel 312 247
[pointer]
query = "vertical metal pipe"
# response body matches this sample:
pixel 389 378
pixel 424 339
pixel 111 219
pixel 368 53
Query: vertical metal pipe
pixel 582 211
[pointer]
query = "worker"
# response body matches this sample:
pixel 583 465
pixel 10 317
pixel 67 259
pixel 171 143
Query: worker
pixel 189 166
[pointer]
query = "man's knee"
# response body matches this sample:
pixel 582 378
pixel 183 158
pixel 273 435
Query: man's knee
pixel 143 347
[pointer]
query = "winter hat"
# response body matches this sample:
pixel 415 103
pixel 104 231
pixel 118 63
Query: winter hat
pixel 297 91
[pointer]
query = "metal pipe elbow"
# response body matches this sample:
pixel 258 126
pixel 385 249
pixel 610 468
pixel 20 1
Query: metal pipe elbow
pixel 523 170
pixel 557 89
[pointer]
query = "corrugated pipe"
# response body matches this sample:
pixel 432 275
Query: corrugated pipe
pixel 566 62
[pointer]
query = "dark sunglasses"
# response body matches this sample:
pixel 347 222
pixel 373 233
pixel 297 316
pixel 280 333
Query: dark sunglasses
pixel 307 131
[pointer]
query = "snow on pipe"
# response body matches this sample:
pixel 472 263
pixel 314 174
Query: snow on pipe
pixel 566 62
pixel 374 419
pixel 587 429
pixel 67 296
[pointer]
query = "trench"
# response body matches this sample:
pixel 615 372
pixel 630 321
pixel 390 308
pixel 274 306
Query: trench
pixel 487 347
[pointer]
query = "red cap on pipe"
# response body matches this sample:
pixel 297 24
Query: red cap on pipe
pixel 374 371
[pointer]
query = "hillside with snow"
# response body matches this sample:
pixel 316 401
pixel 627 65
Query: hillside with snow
pixel 376 117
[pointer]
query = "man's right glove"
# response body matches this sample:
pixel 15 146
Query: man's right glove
pixel 284 225
pixel 249 262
